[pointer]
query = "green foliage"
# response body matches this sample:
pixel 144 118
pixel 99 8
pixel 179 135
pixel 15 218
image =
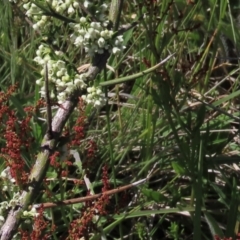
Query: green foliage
pixel 171 119
pixel 174 231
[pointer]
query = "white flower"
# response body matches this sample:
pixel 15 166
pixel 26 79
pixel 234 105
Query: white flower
pixel 62 94
pixel 59 53
pixel 87 36
pixel 4 204
pixel 83 20
pixel 101 42
pixel 26 6
pixel 44 18
pixel 12 180
pixel 119 40
pixel 39 81
pixel 38 52
pixel 97 103
pixel 36 18
pixel 82 31
pixel 46 58
pixel 90 97
pixel 104 7
pixel 63 7
pixel 92 33
pixel 59 73
pixel 60 64
pixel 107 34
pixel 66 78
pixel 76 4
pixel 4 174
pixel 115 50
pixel 96 25
pixel 70 9
pixel 37 59
pixel 83 76
pixel 90 89
pixel 54 3
pixel 32 213
pixel 41 61
pixel 79 40
pixel 35 26
pixel 87 4
pixel 99 91
pixel 13 203
pixel 89 100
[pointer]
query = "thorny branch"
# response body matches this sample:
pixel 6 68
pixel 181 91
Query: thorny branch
pixel 48 145
pixel 48 102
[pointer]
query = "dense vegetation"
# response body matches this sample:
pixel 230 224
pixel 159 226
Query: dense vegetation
pixel 149 147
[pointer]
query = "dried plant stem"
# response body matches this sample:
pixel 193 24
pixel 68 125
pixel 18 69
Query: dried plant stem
pixel 89 198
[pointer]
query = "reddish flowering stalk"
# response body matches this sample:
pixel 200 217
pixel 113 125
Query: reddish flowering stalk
pixel 105 179
pixel 25 127
pixel 83 226
pixel 104 199
pixel 64 173
pixel 68 163
pixel 78 129
pixel 13 139
pixel 17 136
pixel 78 182
pixel 216 237
pixel 54 159
pixel 65 164
pixel 90 154
pixel 39 227
pixel 24 234
pixel 47 190
pixel 91 149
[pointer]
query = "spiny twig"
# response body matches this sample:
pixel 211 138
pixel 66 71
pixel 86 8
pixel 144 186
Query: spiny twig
pixel 38 172
pixel 48 104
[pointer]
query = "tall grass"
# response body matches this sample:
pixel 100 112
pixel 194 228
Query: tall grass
pixel 176 127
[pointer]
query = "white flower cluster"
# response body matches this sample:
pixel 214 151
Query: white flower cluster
pixel 30 214
pixel 9 181
pixel 58 76
pixel 94 97
pixel 95 38
pixel 66 7
pixel 100 13
pixel 6 205
pixel 42 22
pixel 36 13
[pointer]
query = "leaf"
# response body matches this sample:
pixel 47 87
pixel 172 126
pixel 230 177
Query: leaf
pixel 200 118
pixel 153 195
pixel 127 36
pixel 233 210
pixel 213 225
pixel 178 168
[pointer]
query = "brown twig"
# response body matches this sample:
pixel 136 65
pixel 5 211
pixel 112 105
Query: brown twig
pixel 87 198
